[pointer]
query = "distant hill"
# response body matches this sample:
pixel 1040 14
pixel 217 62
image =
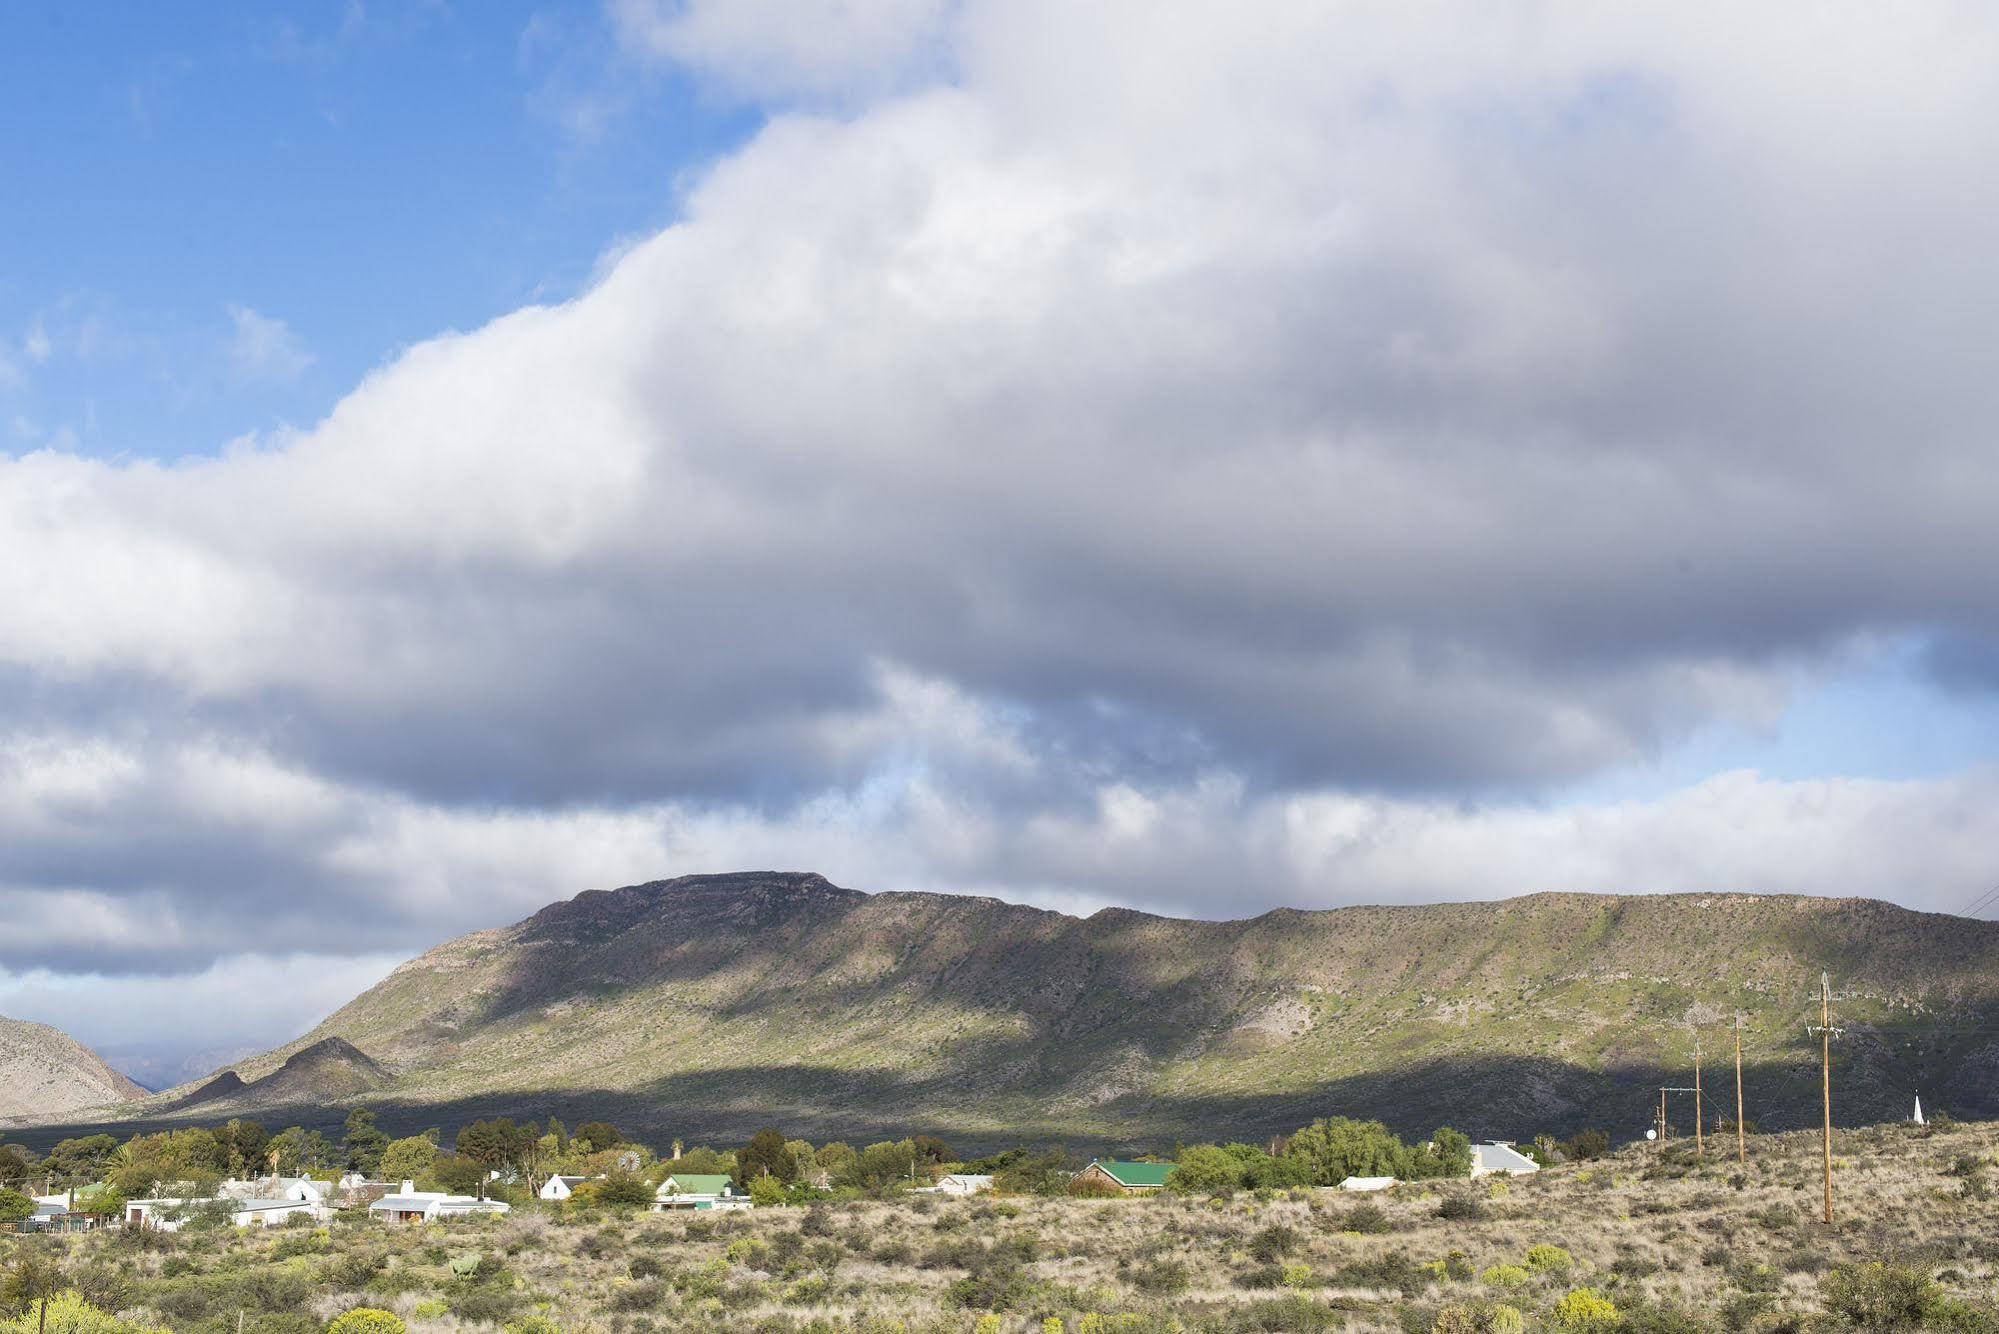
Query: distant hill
pixel 45 1074
pixel 711 1005
pixel 328 1070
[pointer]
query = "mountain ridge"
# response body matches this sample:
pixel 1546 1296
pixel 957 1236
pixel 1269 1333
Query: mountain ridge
pixel 718 1000
pixel 46 1073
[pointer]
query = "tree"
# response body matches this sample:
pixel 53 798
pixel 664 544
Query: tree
pixel 882 1167
pixel 597 1136
pixel 458 1174
pixel 931 1150
pixel 248 1145
pixel 765 1191
pixel 624 1190
pixel 497 1143
pixel 1448 1155
pixel 14 1205
pixel 299 1151
pixel 1334 1148
pixel 364 1142
pixel 408 1159
pixel 1205 1169
pixel 765 1155
pixel 1588 1144
pixel 84 1159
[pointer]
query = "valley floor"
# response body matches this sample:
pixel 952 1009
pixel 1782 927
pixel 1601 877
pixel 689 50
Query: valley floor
pixel 1643 1240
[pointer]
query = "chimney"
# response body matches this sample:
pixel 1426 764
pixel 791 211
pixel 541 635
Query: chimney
pixel 409 1187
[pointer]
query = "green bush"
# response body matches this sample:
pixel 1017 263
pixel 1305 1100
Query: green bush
pixel 1882 1296
pixel 366 1320
pixel 1545 1258
pixel 70 1314
pixel 1504 1276
pixel 1585 1309
pixel 1367 1217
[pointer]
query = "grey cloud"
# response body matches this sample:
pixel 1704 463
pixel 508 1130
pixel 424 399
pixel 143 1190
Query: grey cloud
pixel 1430 408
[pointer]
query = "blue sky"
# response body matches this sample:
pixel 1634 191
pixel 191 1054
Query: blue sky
pixel 1082 453
pixel 367 176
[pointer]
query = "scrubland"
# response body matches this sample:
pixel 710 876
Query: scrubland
pixel 1645 1239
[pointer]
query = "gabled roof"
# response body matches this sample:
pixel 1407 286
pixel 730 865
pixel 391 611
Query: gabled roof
pixel 1134 1174
pixel 1503 1158
pixel 697 1183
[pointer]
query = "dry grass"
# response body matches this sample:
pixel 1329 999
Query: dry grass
pixel 1671 1243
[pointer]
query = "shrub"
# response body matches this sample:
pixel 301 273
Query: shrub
pixel 1459 1207
pixel 1367 1217
pixel 1880 1296
pixel 1545 1258
pixel 71 1314
pixel 1504 1276
pixel 766 1192
pixel 1273 1242
pixel 1585 1309
pixel 366 1320
pixel 1480 1318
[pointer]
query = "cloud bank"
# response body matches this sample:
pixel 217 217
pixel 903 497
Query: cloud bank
pixel 1199 462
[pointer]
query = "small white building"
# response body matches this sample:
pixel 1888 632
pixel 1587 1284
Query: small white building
pixel 279 1188
pixel 959 1183
pixel 1501 1157
pixel 699 1190
pixel 170 1214
pixel 561 1188
pixel 1367 1183
pixel 410 1205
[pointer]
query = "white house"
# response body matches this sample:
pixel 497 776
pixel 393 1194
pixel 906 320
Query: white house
pixel 170 1214
pixel 279 1188
pixel 960 1183
pixel 561 1188
pixel 1500 1156
pixel 1367 1183
pixel 410 1205
pixel 698 1190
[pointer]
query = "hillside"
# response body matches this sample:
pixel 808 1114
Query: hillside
pixel 713 1004
pixel 46 1074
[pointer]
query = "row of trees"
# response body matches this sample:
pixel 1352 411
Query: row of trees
pixel 1324 1153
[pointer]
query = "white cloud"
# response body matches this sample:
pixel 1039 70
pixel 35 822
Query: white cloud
pixel 263 347
pixel 779 48
pixel 1204 457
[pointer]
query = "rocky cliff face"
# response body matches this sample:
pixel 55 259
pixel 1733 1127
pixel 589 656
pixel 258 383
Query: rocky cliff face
pixel 45 1074
pixel 720 1003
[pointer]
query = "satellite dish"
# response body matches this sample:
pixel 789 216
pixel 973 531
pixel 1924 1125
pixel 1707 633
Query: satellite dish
pixel 1651 1134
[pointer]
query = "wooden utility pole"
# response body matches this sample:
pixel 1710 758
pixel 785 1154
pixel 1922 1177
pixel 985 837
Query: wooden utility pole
pixel 1700 1141
pixel 1741 1140
pixel 1826 1033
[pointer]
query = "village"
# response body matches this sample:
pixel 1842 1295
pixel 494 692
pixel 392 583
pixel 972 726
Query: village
pixel 167 1181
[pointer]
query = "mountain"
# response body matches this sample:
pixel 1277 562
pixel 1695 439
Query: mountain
pixel 324 1071
pixel 711 1005
pixel 46 1074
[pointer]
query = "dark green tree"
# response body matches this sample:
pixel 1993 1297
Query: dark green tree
pixel 364 1142
pixel 498 1143
pixel 14 1205
pixel 248 1145
pixel 765 1155
pixel 459 1174
pixel 597 1136
pixel 624 1190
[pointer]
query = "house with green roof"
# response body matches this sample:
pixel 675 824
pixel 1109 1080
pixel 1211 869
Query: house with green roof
pixel 699 1190
pixel 1128 1177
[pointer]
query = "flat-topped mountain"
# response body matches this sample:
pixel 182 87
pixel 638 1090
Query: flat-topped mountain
pixel 45 1074
pixel 718 1003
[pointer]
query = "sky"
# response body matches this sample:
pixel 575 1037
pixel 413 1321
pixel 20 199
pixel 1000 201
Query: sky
pixel 1187 457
